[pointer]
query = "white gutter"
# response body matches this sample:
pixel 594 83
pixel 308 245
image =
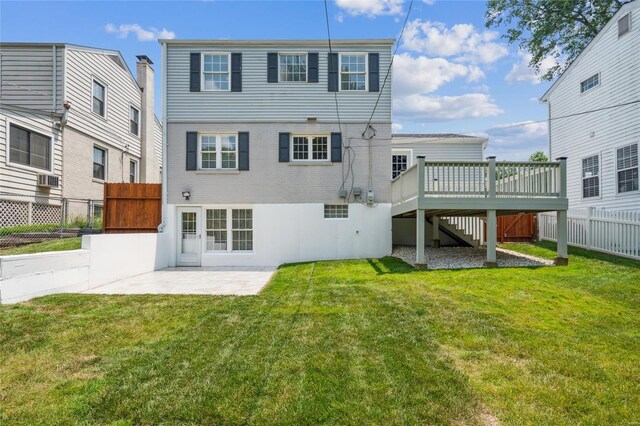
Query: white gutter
pixel 165 143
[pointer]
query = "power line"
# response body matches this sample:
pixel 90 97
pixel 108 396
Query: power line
pixel 384 82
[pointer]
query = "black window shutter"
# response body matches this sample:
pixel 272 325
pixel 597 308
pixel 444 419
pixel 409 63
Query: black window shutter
pixel 332 72
pixel 313 68
pixel 243 151
pixel 283 148
pixel 272 67
pixel 192 150
pixel 374 72
pixel 236 72
pixel 194 72
pixel 336 147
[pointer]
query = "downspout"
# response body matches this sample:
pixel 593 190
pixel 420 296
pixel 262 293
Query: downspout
pixel 55 80
pixel 165 143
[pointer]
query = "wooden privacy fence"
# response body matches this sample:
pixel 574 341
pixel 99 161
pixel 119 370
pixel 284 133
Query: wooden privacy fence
pixel 517 228
pixel 132 208
pixel 610 231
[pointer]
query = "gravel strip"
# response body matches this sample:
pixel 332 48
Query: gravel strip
pixel 466 257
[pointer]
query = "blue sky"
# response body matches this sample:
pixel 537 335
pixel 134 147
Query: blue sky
pixel 451 73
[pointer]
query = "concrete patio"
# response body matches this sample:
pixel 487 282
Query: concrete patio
pixel 241 281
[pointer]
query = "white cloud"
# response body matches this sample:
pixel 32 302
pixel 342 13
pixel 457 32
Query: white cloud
pixel 141 34
pixel 463 42
pixel 517 141
pixel 415 75
pixel 340 17
pixel 371 8
pixel 443 108
pixel 396 127
pixel 522 72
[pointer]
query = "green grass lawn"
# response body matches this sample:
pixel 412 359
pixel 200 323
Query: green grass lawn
pixel 58 244
pixel 349 342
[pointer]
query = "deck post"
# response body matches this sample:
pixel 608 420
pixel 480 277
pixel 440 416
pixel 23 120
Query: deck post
pixel 562 219
pixel 492 237
pixel 491 177
pixel 420 259
pixel 435 222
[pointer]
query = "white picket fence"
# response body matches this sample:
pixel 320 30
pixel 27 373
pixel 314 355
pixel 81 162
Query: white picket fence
pixel 609 231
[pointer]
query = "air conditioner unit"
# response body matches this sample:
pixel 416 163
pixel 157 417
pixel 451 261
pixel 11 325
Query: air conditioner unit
pixel 48 181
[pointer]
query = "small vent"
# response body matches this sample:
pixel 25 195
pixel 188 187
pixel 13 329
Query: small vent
pixel 48 181
pixel 624 24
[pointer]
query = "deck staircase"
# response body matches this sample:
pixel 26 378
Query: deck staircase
pixel 467 230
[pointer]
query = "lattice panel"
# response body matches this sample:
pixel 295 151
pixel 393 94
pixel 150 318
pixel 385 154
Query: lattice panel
pixel 13 213
pixel 45 214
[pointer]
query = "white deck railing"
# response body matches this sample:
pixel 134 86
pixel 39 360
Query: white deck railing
pixel 609 231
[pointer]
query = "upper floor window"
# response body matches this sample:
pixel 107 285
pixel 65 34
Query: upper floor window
pixel 215 71
pixel 310 148
pixel 134 121
pixel 293 67
pixel 99 163
pixel 591 176
pixel 590 83
pixel 624 24
pixel 133 171
pixel 218 151
pixel 627 168
pixel 29 148
pixel 353 71
pixel 99 98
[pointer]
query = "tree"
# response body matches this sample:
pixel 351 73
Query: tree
pixel 560 29
pixel 538 157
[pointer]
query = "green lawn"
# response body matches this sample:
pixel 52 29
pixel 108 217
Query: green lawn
pixel 350 342
pixel 58 244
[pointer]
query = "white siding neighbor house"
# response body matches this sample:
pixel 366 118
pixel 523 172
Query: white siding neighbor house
pixel 261 168
pixel 594 113
pixel 71 118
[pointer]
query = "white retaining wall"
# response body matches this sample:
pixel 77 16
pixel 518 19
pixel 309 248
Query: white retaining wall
pixel 102 259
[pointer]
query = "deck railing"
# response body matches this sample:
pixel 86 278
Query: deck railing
pixel 482 179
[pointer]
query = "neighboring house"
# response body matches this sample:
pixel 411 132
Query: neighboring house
pixel 72 118
pixel 260 168
pixel 405 149
pixel 602 146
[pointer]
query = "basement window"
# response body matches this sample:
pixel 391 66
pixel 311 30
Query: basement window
pixel 336 211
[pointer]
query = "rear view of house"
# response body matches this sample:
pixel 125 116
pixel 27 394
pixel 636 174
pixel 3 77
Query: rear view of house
pixel 271 157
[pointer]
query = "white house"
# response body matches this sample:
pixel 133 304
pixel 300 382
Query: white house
pixel 594 117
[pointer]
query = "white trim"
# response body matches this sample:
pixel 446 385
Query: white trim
pixel 202 55
pixel 310 137
pixel 306 66
pixel 402 151
pixel 131 106
pixel 592 87
pixel 10 163
pixel 582 178
pixel 106 162
pixel 366 70
pixel 198 229
pixel 218 136
pixel 106 97
pixel 615 167
pixel 136 175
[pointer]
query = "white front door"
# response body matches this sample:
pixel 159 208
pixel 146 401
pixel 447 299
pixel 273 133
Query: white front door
pixel 189 237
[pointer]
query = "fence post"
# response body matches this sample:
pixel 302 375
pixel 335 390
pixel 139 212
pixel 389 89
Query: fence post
pixel 491 177
pixel 29 213
pixel 589 226
pixel 89 215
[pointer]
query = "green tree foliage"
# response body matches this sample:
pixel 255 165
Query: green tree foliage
pixel 551 28
pixel 539 157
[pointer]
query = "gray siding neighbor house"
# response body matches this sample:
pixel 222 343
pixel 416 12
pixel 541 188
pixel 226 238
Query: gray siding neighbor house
pixel 269 156
pixel 72 118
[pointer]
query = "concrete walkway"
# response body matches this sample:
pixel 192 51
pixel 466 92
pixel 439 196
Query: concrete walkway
pixel 240 281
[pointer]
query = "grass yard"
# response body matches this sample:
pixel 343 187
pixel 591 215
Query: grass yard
pixel 349 342
pixel 58 244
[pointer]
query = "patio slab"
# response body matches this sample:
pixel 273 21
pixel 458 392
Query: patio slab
pixel 241 281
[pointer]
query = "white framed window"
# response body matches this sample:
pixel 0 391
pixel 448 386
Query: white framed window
pixel 591 176
pixel 400 161
pixel 242 228
pixel 627 168
pixel 310 148
pixel 218 151
pixel 336 211
pixel 215 72
pixel 99 163
pixel 28 148
pixel 216 230
pixel 590 83
pixel 133 171
pixel 99 98
pixel 229 229
pixel 134 120
pixel 353 71
pixel 292 67
pixel 624 24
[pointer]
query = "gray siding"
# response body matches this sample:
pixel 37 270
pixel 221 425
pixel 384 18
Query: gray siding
pixel 157 140
pixel 440 151
pixel 599 133
pixel 268 180
pixel 15 178
pixel 26 76
pixel 260 101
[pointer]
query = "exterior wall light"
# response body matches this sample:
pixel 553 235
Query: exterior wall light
pixel 186 195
